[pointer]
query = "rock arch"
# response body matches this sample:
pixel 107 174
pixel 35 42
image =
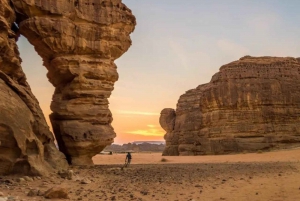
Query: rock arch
pixel 78 43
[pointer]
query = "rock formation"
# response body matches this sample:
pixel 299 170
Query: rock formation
pixel 79 41
pixel 250 104
pixel 26 143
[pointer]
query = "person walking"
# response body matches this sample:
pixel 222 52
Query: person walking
pixel 128 159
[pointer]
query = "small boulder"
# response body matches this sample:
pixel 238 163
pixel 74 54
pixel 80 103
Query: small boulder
pixel 33 192
pixel 68 174
pixel 21 180
pixel 37 178
pixel 85 181
pixel 57 192
pixel 28 178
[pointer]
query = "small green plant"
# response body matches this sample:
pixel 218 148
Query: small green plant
pixel 163 160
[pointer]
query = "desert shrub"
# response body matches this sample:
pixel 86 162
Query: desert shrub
pixel 163 160
pixel 259 151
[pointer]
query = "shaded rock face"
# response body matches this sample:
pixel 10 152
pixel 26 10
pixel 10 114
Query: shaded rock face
pixel 167 122
pixel 250 104
pixel 26 143
pixel 79 41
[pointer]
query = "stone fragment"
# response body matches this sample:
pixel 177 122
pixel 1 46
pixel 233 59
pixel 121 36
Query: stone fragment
pixel 85 181
pixel 67 174
pixel 250 105
pixel 33 192
pixel 28 178
pixel 20 180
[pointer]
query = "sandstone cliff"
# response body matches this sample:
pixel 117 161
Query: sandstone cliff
pixel 250 104
pixel 79 41
pixel 26 143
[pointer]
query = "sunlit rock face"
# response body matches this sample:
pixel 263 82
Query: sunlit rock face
pixel 26 143
pixel 250 104
pixel 79 41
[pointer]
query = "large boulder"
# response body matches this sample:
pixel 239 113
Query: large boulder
pixel 249 105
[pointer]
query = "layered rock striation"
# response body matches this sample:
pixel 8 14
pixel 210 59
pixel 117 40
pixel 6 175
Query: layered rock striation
pixel 79 41
pixel 250 104
pixel 26 143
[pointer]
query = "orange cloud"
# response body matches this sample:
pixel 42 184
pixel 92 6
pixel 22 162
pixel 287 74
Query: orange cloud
pixel 152 130
pixel 138 113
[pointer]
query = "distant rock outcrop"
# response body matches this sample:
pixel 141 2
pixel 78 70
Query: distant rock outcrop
pixel 250 104
pixel 79 41
pixel 26 143
pixel 142 147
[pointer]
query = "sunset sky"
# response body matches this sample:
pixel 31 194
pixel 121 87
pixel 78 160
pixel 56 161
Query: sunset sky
pixel 178 45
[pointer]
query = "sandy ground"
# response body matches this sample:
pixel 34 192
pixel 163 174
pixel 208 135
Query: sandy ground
pixel 273 176
pixel 155 158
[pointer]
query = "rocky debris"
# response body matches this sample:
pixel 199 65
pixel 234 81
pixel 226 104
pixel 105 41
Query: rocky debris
pixel 58 192
pixel 85 181
pixel 199 181
pixel 250 105
pixel 144 192
pixel 20 180
pixel 67 174
pixel 26 143
pixel 28 178
pixel 9 198
pixel 33 192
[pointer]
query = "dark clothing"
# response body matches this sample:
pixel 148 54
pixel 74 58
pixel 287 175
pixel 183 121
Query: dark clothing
pixel 128 156
pixel 128 159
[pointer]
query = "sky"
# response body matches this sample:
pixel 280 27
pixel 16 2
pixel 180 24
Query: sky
pixel 178 45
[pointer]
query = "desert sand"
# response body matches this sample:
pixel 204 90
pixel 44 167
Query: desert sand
pixel 272 176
